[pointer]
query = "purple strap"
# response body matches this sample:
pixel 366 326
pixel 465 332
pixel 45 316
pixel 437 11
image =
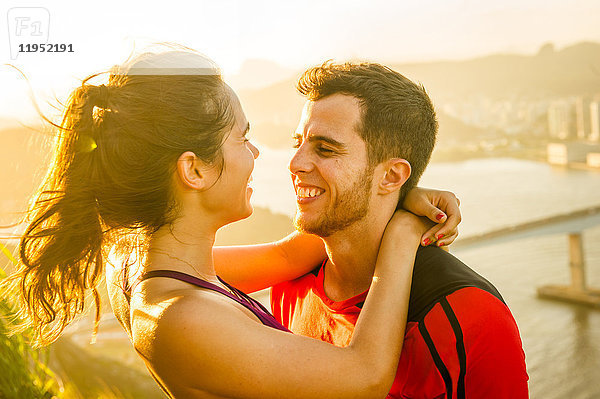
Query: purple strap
pixel 249 303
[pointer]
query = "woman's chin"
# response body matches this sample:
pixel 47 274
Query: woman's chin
pixel 244 214
pixel 250 211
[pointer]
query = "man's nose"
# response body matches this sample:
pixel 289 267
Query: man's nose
pixel 300 162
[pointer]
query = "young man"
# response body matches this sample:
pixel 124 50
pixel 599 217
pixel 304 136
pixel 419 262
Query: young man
pixel 365 137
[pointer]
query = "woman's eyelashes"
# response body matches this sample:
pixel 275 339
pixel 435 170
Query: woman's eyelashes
pixel 245 137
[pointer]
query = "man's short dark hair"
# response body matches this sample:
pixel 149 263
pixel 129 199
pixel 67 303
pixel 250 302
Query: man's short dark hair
pixel 397 117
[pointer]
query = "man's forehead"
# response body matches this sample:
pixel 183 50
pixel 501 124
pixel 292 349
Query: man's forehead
pixel 336 115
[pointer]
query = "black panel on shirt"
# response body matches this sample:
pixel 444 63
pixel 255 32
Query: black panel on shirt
pixel 437 274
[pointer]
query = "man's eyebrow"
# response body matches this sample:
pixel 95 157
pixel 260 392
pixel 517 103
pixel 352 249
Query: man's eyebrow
pixel 328 140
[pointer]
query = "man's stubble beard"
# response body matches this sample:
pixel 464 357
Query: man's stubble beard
pixel 350 207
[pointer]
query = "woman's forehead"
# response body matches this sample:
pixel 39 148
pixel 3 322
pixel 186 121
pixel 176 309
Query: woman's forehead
pixel 241 123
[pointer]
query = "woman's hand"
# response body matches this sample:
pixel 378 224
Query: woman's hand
pixel 407 226
pixel 401 238
pixel 442 207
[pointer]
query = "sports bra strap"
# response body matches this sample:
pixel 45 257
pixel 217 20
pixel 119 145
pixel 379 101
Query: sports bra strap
pixel 188 279
pixel 240 297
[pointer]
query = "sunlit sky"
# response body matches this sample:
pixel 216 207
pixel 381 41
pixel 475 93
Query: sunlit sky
pixel 294 34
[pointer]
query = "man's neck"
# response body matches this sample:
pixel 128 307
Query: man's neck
pixel 352 256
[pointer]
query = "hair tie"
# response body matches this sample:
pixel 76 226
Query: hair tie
pixel 85 143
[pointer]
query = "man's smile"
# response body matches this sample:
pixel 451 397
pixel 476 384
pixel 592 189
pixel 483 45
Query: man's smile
pixel 306 193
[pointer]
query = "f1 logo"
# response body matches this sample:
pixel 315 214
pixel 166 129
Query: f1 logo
pixel 27 25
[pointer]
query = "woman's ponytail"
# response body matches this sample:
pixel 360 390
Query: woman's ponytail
pixel 61 249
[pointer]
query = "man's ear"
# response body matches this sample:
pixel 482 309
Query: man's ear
pixel 396 173
pixel 192 173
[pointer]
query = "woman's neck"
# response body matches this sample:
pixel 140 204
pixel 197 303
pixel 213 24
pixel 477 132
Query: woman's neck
pixel 182 247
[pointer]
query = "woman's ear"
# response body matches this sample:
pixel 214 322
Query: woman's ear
pixel 192 173
pixel 396 173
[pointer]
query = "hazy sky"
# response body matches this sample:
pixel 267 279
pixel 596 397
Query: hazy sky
pixel 292 33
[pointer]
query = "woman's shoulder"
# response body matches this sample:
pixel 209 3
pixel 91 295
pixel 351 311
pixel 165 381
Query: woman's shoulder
pixel 171 328
pixel 162 308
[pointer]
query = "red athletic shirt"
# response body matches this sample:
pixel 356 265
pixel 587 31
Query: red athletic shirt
pixel 461 340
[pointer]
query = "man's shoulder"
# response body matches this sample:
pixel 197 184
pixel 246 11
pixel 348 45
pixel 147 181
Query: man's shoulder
pixel 437 274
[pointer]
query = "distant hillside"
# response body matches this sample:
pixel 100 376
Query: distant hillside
pixel 574 70
pixel 274 111
pixel 453 130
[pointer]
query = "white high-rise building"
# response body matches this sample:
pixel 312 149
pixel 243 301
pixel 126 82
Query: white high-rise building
pixel 595 121
pixel 582 117
pixel 561 115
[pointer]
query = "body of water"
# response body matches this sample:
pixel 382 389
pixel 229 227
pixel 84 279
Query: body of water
pixel 561 341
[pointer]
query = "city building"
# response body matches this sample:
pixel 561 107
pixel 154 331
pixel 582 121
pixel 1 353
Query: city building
pixel 595 121
pixel 561 120
pixel 582 117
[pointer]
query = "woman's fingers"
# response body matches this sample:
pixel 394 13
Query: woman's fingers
pixel 451 225
pixel 443 210
pixel 447 240
pixel 441 207
pixel 434 214
pixel 430 203
pixel 439 233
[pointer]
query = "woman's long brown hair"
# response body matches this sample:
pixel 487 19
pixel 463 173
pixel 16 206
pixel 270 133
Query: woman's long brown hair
pixel 115 155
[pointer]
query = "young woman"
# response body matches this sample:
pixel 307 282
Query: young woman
pixel 152 165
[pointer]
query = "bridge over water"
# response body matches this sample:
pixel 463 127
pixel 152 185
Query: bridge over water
pixel 570 224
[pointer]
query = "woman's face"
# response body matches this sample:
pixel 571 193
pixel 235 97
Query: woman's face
pixel 231 193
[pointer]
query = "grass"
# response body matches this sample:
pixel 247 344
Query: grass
pixel 64 370
pixel 24 371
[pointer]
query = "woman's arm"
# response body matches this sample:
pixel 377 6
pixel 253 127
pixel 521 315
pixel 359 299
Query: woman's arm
pixel 255 267
pixel 223 352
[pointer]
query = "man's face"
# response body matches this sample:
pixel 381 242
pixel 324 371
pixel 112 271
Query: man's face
pixel 330 170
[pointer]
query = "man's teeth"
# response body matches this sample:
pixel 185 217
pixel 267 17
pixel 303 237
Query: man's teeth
pixel 305 192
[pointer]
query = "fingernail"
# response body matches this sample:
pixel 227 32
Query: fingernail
pixel 427 241
pixel 440 216
pixel 440 244
pixel 439 236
